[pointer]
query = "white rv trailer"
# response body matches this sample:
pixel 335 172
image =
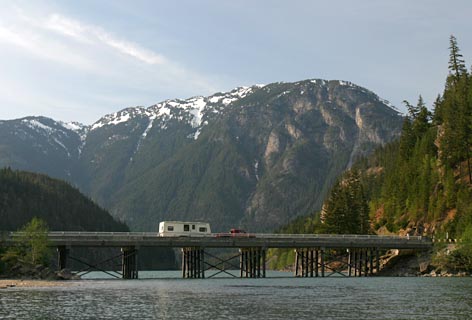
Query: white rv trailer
pixel 183 229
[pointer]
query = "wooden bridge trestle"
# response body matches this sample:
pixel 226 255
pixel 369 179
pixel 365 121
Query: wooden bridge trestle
pixel 316 255
pixel 129 262
pixel 321 262
pixel 252 263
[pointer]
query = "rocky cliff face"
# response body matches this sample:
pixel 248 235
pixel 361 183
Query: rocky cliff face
pixel 254 157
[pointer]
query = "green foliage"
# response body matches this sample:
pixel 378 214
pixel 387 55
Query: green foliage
pixel 346 209
pixel 31 245
pixel 461 258
pixel 456 61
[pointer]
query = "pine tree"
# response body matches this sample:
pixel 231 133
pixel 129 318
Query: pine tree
pixel 456 61
pixel 455 134
pixel 346 210
pixel 421 122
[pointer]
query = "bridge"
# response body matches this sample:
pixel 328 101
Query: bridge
pixel 315 254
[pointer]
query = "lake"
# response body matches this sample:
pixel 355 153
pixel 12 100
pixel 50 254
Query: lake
pixel 278 297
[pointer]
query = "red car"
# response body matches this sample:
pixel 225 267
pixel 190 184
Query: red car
pixel 235 233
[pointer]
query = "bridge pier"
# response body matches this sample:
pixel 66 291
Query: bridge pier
pixel 252 262
pixel 129 262
pixel 309 262
pixel 193 263
pixel 62 254
pixel 314 262
pixel 363 262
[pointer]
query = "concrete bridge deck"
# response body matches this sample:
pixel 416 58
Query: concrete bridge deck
pixel 311 251
pixel 152 239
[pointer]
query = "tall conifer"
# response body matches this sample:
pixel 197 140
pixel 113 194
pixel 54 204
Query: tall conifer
pixel 456 61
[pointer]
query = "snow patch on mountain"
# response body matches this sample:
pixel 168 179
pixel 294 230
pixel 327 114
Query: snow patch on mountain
pixel 118 117
pixel 194 110
pixel 35 125
pixel 55 132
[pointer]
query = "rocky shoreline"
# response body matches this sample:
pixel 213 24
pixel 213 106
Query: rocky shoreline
pixel 16 283
pixel 38 273
pixel 406 264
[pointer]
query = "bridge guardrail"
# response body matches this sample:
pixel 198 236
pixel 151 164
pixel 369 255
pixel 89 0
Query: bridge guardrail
pixel 58 234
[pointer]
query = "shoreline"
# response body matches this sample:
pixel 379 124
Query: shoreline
pixel 18 283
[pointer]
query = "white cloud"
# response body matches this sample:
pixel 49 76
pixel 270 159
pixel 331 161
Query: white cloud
pixel 89 33
pixel 64 26
pixel 56 60
pixel 36 44
pixel 69 41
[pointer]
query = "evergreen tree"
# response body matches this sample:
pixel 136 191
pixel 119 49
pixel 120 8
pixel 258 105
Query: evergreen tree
pixel 421 122
pixel 456 61
pixel 346 209
pixel 407 139
pixel 455 134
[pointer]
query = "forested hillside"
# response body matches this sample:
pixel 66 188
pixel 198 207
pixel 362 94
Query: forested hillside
pixel 419 184
pixel 24 195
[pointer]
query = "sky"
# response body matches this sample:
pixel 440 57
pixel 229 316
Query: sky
pixel 80 60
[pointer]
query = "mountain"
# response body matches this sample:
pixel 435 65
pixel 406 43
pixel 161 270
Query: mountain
pixel 255 157
pixel 39 144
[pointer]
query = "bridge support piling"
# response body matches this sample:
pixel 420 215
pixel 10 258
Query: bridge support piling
pixel 307 263
pixel 259 263
pixel 62 254
pixel 377 260
pixel 349 262
pixel 246 263
pixel 241 263
pixel 312 262
pixel 302 263
pixel 354 262
pixel 263 252
pixel 322 253
pixel 184 265
pixel 252 262
pixel 129 263
pixel 193 262
pixel 359 262
pixel 371 262
pixel 361 257
pixel 202 262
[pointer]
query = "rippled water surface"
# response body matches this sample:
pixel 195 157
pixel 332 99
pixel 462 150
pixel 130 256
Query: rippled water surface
pixel 225 298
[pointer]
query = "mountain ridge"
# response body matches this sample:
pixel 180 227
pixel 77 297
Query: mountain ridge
pixel 238 150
